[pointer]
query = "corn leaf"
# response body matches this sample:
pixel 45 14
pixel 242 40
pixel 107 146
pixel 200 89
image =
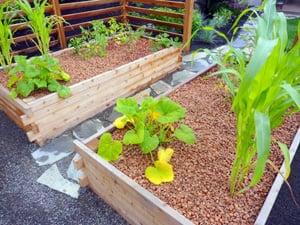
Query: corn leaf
pixel 287 161
pixel 263 141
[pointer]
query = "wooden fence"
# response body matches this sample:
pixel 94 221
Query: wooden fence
pixel 81 13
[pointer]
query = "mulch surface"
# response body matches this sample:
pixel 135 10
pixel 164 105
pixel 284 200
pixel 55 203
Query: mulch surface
pixel 200 189
pixel 81 69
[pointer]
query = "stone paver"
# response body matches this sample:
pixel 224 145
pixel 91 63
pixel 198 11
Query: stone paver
pixel 53 179
pixel 160 87
pixel 87 129
pixel 54 151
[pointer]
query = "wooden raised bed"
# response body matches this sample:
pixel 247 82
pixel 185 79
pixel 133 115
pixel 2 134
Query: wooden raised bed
pixel 49 116
pixel 135 203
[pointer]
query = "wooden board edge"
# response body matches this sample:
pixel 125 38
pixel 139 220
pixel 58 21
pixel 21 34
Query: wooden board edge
pixel 269 202
pixel 72 87
pixel 81 149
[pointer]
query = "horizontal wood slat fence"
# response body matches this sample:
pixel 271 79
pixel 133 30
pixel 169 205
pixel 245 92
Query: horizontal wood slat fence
pixel 82 13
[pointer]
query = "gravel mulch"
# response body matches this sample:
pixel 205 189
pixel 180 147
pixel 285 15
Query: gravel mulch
pixel 200 189
pixel 80 69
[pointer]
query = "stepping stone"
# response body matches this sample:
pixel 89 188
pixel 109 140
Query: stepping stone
pixel 73 173
pixel 239 43
pixel 87 129
pixel 54 151
pixel 53 179
pixel 194 56
pixel 113 116
pixel 181 76
pixel 142 95
pixel 196 66
pixel 160 87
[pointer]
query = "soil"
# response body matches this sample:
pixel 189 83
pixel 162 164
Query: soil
pixel 200 188
pixel 80 69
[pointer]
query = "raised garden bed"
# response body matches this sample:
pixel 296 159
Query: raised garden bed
pixel 96 84
pixel 199 193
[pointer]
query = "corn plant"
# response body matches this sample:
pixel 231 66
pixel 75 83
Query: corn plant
pixel 6 35
pixel 40 24
pixel 264 91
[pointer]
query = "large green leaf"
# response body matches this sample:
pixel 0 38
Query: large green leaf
pixel 127 106
pixel 186 134
pixel 293 93
pixel 161 172
pixel 135 136
pixel 24 88
pixel 150 143
pixel 170 111
pixel 108 148
pixel 263 141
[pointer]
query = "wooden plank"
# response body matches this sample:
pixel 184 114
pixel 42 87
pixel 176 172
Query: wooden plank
pixel 33 48
pixel 85 24
pixel 158 22
pixel 77 113
pixel 174 4
pixel 92 13
pixel 79 5
pixel 133 202
pixel 105 83
pixel 86 84
pixel 85 111
pixel 188 21
pixel 157 31
pixel 18 103
pixel 60 27
pixel 153 12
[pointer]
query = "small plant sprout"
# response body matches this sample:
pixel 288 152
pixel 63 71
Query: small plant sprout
pixel 153 124
pixel 165 41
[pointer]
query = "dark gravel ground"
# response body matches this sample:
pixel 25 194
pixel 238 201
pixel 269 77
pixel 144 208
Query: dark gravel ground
pixel 24 201
pixel 285 211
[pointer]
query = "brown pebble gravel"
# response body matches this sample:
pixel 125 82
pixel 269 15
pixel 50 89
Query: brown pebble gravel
pixel 200 189
pixel 80 69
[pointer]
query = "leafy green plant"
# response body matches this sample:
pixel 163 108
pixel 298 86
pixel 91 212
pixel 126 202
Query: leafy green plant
pixel 109 149
pixel 154 123
pixel 263 91
pixel 92 42
pixel 165 41
pixel 223 15
pixel 40 72
pixel 6 35
pixel 40 24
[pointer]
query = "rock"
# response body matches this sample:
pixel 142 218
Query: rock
pixel 160 87
pixel 142 95
pixel 53 179
pixel 194 56
pixel 87 129
pixel 181 76
pixel 54 151
pixel 73 173
pixel 196 66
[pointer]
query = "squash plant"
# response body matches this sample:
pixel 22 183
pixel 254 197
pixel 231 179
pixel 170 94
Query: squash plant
pixel 40 72
pixel 264 91
pixel 151 125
